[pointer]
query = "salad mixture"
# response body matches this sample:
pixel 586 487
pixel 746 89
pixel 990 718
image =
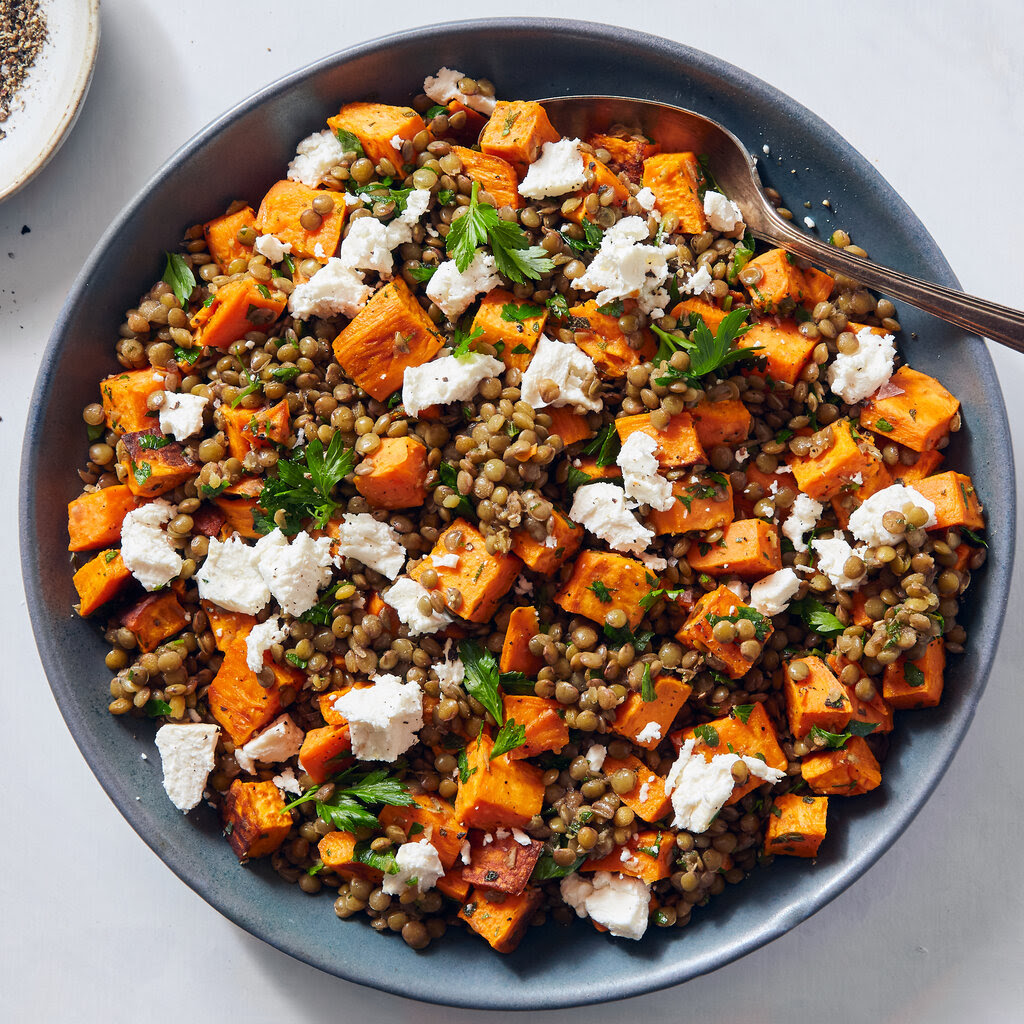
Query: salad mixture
pixel 496 535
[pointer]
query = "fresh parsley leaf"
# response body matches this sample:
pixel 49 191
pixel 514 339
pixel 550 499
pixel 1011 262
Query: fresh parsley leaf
pixel 141 471
pixel 382 860
pixel 817 616
pixel 315 869
pixel 651 598
pixel 520 350
pixel 858 728
pixel 349 142
pixel 973 536
pixel 187 355
pixel 207 491
pixel 831 740
pixel 711 352
pixel 604 594
pixel 263 290
pixel 510 736
pixel 883 424
pixel 465 772
pixel 445 197
pixel 285 373
pixel 289 263
pixel 155 708
pixel 546 868
pixel 421 274
pixel 381 192
pixel 647 693
pixel 153 442
pixel 913 675
pixel 619 636
pixel 576 478
pixel 517 684
pixel 94 431
pixel 511 313
pixel 449 476
pixel 742 254
pixel 354 788
pixel 741 711
pixel 436 110
pixel 461 342
pixel 481 681
pixel 591 240
pixel 668 344
pixel 292 657
pixel 606 446
pixel 613 308
pixel 320 613
pixel 178 274
pixel 558 305
pixel 708 733
pixel 761 623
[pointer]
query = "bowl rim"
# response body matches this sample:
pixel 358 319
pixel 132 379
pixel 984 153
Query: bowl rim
pixel 634 982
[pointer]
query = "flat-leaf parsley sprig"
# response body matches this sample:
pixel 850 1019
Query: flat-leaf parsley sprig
pixel 344 802
pixel 708 352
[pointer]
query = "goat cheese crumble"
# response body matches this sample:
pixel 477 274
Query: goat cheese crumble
pixel 832 554
pixel 619 902
pixel 375 544
pixel 419 868
pixel 181 415
pixel 866 521
pixel 444 87
pixel 856 375
pixel 261 638
pixel 383 719
pixel 568 367
pixel 147 550
pixel 335 288
pixel 445 380
pixel 643 483
pixel 558 169
pixel 272 247
pixel 723 214
pixel 280 741
pixel 404 596
pixel 803 517
pixel 314 157
pixel 187 758
pixel 601 508
pixel 771 595
pixel 452 290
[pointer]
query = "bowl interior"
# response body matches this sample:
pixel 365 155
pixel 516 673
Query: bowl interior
pixel 238 157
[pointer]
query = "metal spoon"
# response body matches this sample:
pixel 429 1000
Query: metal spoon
pixel 677 129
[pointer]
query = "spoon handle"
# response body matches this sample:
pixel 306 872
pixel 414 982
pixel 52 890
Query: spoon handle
pixel 988 319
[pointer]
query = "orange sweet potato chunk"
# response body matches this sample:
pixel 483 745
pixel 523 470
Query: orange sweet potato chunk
pixel 635 716
pixel 647 799
pixel 523 625
pixel 396 474
pixel 675 179
pixel 150 470
pixel 956 500
pixel 95 518
pixel 324 751
pixel 221 235
pixel 847 772
pixel 919 418
pixel 516 132
pixel 258 822
pixel 501 863
pixel 780 280
pixel 544 556
pixel 572 428
pixel 236 698
pixel 238 517
pixel 280 214
pixel 604 341
pixel 502 922
pixel 917 684
pixel 495 175
pixel 785 349
pixel 725 422
pixel 100 580
pixel 826 474
pixel 818 699
pixel 678 444
pixel 499 793
pixel 604 181
pixel 240 306
pixel 375 125
pixel 701 504
pixel 545 727
pixel 711 314
pixel 154 619
pixel 499 321
pixel 875 476
pixel 925 465
pixel 247 429
pixel 796 825
pixel 597 575
pixel 390 333
pixel 338 854
pixel 650 856
pixel 817 286
pixel 697 632
pixel 437 819
pixel 628 153
pixel 125 396
pixel 750 549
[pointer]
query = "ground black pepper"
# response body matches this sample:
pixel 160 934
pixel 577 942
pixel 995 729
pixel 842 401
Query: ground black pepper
pixel 23 33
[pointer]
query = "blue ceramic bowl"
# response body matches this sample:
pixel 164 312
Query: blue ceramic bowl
pixel 240 154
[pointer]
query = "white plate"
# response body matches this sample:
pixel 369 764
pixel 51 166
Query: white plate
pixel 51 96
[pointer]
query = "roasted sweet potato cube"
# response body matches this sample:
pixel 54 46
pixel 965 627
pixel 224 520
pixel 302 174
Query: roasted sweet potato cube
pixel 924 465
pixel 125 397
pixel 517 131
pixel 874 477
pixel 817 287
pixel 587 464
pixel 847 772
pixel 826 474
pixel 711 314
pixel 726 422
pixel 338 852
pixel 604 341
pixel 781 280
pixel 916 684
pixel 495 175
pixel 677 443
pixel 571 428
pixel 877 711
pixel 547 555
pixel 264 427
pixel 100 580
pixel 390 333
pixel 750 549
pixel 454 886
pixel 955 499
pixel 796 825
pixel 647 799
pixel 648 856
pixel 238 517
pixel 475 122
pixel 504 320
pixel 153 464
pixel 226 626
pixel 545 727
pixel 698 630
pixel 325 751
pixel 95 518
pixel 605 181
pixel 436 821
pixel 702 503
pixel 919 418
pixel 280 214
pixel 647 723
pixel 675 179
pixel 482 579
pixel 255 820
pixel 236 698
pixel 221 235
pixel 240 306
pixel 627 153
pixel 155 618
pixel 501 921
pixel 814 697
pixel 785 349
pixel 602 581
pixel 523 625
pixel 375 125
pixel 499 793
pixel 395 475
pixel 502 864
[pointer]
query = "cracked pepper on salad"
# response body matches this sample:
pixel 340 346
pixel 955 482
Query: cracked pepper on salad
pixel 496 535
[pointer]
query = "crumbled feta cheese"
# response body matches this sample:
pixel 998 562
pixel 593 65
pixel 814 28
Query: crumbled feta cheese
pixel 626 267
pixel 601 508
pixel 280 741
pixel 404 596
pixel 181 415
pixel 645 792
pixel 396 141
pixel 521 837
pixel 723 214
pixel 558 169
pixel 699 281
pixel 803 517
pixel 808 222
pixel 649 733
pixel 368 244
pixel 449 561
pixel 619 902
pixel 187 757
pixel 261 638
pixel 319 252
pixel 857 478
pixel 294 572
pixel 444 87
pixel 453 291
pixel 771 595
pixel 419 868
pixel 832 553
pixel 741 455
pixel 351 199
pixel 699 788
pixel 146 550
pixel 866 520
pixel 646 198
pixel 568 366
pixel 375 544
pixel 466 852
pixel 384 718
pixel 415 206
pixel 272 247
pixel 445 380
pixel 596 755
pixel 230 576
pixel 653 562
pixel 315 155
pixel 643 482
pixel 335 288
pixel 739 588
pixel 450 673
pixel 287 783
pixel 855 376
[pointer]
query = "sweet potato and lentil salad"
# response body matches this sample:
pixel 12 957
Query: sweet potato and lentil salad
pixel 496 534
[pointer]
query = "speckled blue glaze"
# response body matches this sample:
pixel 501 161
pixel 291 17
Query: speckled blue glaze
pixel 240 154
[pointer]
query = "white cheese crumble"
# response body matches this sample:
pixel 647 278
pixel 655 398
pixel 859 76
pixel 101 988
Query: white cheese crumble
pixel 619 902
pixel 450 673
pixel 444 87
pixel 146 550
pixel 565 364
pixel 230 576
pixel 375 544
pixel 404 596
pixel 596 755
pixel 601 508
pixel 181 415
pixel 723 214
pixel 287 783
pixel 445 380
pixel 272 247
pixel 855 376
pixel 832 553
pixel 383 719
pixel 187 757
pixel 368 245
pixel 415 206
pixel 643 482
pixel 771 595
pixel 521 837
pixel 653 562
pixel 650 733
pixel 261 638
pixel 866 521
pixel 809 222
pixel 466 852
pixel 448 561
pixel 294 572
pixel 646 198
pixel 419 868
pixel 803 517
pixel 280 741
pixel 699 788
pixel 558 169
pixel 453 290
pixel 314 157
pixel 699 281
pixel 335 288
pixel 626 267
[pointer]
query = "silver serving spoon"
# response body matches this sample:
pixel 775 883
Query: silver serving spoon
pixel 677 129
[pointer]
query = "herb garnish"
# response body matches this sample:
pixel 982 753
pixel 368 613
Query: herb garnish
pixel 178 274
pixel 481 681
pixel 354 791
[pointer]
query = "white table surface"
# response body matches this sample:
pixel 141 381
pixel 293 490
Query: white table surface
pixel 93 927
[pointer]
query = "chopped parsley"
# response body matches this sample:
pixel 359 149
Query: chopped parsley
pixel 510 736
pixel 762 624
pixel 178 274
pixel 604 594
pixel 482 679
pixel 511 313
